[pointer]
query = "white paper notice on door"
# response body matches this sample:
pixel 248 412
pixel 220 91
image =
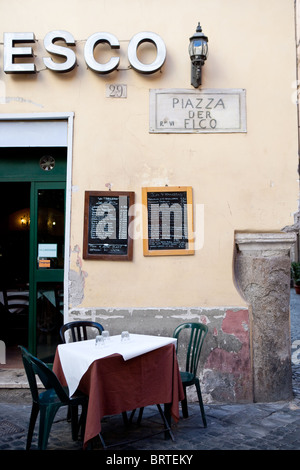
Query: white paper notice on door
pixel 47 250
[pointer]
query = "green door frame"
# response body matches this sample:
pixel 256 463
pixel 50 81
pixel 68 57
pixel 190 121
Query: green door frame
pixel 38 275
pixel 21 134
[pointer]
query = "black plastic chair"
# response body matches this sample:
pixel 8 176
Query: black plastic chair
pixel 198 331
pixel 79 330
pixel 49 401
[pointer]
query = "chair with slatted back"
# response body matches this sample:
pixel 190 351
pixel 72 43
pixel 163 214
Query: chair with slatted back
pixel 197 333
pixel 79 330
pixel 16 308
pixel 16 302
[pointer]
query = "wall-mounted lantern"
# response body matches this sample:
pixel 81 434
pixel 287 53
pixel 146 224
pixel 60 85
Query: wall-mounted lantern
pixel 198 51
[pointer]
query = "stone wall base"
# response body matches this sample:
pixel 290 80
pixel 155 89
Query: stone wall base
pixel 225 366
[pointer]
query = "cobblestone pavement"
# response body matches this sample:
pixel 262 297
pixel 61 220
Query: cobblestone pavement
pixel 261 426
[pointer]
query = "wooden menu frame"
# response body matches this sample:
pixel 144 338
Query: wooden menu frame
pixel 172 235
pixel 107 214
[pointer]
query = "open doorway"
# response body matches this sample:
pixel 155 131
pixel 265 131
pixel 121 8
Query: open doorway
pixel 35 170
pixel 32 245
pixel 14 267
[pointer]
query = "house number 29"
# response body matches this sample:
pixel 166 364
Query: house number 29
pixel 114 90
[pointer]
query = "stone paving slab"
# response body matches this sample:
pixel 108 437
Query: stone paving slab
pixel 235 427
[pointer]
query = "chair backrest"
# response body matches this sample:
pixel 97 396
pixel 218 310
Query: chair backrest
pixel 16 302
pixel 198 332
pixel 30 373
pixel 34 366
pixel 59 298
pixel 78 330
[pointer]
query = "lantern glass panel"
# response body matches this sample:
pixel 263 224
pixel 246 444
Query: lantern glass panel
pixel 198 47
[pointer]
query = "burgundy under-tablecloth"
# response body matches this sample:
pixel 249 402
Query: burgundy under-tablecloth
pixel 114 385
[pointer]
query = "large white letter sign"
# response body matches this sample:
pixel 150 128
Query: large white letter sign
pixel 49 41
pixel 67 56
pixel 161 52
pixel 10 52
pixel 90 45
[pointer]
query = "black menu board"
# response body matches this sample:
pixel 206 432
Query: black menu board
pixel 168 221
pixel 106 225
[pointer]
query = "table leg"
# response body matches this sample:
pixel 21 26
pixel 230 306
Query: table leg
pixel 166 415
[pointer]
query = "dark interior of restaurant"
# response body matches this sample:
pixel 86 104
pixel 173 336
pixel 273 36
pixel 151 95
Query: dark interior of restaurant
pixel 14 264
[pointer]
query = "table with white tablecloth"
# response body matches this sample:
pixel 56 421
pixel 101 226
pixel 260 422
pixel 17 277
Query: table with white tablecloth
pixel 121 376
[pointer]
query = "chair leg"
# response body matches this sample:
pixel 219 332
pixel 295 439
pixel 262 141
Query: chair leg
pixel 82 421
pixel 184 406
pixel 125 418
pixel 69 413
pixel 139 419
pixel 102 441
pixel 34 413
pixel 47 415
pixel 201 402
pixel 140 416
pixel 74 421
pixel 131 416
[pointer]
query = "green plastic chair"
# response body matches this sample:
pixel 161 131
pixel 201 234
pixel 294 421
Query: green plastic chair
pixel 49 401
pixel 198 332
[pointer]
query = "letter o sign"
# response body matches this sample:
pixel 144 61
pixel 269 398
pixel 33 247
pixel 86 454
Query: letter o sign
pixel 161 52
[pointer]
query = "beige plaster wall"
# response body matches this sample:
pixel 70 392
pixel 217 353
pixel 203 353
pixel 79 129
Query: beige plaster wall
pixel 244 181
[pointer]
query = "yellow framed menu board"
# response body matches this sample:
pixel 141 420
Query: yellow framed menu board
pixel 168 221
